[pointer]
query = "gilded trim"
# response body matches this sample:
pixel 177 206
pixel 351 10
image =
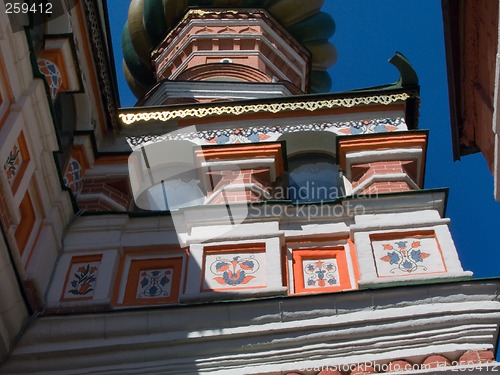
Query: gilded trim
pixel 130 118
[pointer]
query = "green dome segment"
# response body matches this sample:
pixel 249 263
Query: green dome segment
pixel 324 54
pixel 134 85
pixel 321 81
pixel 138 70
pixel 289 12
pixel 320 26
pixel 172 10
pixel 201 3
pixel 154 20
pixel 150 20
pixel 253 3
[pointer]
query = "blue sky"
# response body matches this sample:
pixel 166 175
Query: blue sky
pixel 367 35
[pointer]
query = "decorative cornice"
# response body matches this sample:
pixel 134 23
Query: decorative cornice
pixel 237 14
pixel 272 132
pixel 98 48
pixel 312 105
pixel 400 140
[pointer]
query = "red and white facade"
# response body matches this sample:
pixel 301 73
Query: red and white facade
pixel 231 223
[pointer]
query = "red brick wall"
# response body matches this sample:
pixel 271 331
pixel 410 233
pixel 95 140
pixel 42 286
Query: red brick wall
pixel 259 178
pixel 363 172
pixel 100 186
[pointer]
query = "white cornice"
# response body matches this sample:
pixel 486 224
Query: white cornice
pixel 402 154
pixel 110 231
pixel 383 178
pixel 266 336
pixel 216 90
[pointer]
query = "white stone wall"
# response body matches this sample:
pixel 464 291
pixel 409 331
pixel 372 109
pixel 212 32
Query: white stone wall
pixel 347 246
pixel 13 311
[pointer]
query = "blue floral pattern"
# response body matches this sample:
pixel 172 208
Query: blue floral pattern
pixel 405 257
pixel 235 271
pixel 155 283
pixel 13 163
pixel 320 273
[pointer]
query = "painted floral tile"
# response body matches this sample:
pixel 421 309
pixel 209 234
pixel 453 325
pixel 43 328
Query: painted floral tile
pixel 149 281
pixel 407 256
pixel 320 273
pixel 156 283
pixel 81 280
pixel 234 270
pixel 13 164
pixel 320 270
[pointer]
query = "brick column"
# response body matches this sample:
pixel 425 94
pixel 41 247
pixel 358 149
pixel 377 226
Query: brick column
pixel 383 177
pixel 247 185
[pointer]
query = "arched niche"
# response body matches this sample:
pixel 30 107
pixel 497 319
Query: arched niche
pixel 304 142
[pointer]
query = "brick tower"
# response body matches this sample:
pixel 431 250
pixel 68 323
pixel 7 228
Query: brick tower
pixel 240 219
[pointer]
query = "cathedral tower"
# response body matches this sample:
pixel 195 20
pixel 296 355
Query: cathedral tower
pixel 240 219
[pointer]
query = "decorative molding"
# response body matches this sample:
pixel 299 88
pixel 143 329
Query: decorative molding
pixel 58 62
pixel 73 177
pixel 52 75
pixel 364 187
pixel 215 14
pixel 130 118
pixel 207 71
pixel 269 133
pixel 98 47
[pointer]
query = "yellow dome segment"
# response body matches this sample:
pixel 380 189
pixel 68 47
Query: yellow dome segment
pixel 138 34
pixel 319 26
pixel 140 71
pixel 289 12
pixel 324 55
pixel 172 10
